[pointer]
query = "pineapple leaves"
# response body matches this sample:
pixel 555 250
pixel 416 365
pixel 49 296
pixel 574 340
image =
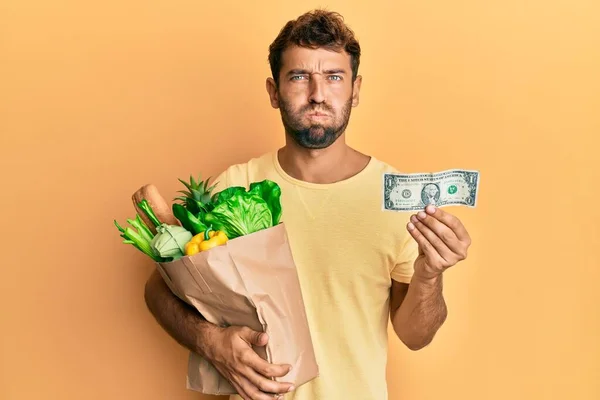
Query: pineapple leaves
pixel 197 198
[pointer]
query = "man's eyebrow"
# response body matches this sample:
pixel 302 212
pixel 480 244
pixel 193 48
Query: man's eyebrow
pixel 298 72
pixel 326 72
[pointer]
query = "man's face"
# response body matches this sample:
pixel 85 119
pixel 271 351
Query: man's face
pixel 315 95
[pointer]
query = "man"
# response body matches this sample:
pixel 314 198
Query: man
pixel 358 265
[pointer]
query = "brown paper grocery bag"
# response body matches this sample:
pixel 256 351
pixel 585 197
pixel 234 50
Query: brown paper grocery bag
pixel 250 281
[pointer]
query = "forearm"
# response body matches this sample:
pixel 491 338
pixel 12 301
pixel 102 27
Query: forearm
pixel 180 320
pixel 421 314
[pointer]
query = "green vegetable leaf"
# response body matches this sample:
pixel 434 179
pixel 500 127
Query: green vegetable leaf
pixel 228 193
pixel 141 227
pixel 270 192
pixel 188 220
pixel 241 214
pixel 196 222
pixel 180 212
pixel 145 206
pixel 138 240
pixel 170 241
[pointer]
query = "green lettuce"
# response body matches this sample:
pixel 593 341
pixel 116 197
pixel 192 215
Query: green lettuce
pixel 242 214
pixel 270 192
pixel 226 194
pixel 239 212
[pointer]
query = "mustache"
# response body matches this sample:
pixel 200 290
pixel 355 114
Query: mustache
pixel 319 109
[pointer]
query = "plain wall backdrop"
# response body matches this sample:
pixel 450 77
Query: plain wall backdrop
pixel 97 99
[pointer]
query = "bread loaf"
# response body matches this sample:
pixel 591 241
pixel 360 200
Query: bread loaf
pixel 157 203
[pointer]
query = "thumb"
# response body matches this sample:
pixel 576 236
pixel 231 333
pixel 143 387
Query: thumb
pixel 257 338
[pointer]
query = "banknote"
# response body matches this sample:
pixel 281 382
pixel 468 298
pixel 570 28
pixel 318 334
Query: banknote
pixel 413 192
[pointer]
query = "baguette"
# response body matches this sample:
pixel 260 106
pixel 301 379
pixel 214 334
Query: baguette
pixel 158 205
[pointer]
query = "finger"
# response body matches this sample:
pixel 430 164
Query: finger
pixel 265 368
pixel 437 245
pixel 252 391
pixel 450 221
pixel 442 231
pixel 236 383
pixel 424 246
pixel 254 337
pixel 267 385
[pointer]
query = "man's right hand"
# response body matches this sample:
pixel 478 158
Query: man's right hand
pixel 231 353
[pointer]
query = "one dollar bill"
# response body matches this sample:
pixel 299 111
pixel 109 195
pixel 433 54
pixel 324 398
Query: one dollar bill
pixel 413 192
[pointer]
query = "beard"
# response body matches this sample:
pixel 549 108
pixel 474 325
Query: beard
pixel 315 135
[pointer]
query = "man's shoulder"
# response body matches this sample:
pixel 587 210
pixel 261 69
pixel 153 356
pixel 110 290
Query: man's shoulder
pixel 239 172
pixel 242 173
pixel 384 166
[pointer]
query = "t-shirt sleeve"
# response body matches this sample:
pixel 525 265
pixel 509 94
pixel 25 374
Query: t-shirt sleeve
pixel 220 182
pixel 234 175
pixel 403 269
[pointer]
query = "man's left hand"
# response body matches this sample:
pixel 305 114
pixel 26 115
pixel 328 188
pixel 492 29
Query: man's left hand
pixel 443 241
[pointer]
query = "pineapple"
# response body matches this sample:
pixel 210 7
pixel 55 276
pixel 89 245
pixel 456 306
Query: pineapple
pixel 197 198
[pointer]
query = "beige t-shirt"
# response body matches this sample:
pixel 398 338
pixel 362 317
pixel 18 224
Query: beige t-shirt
pixel 347 250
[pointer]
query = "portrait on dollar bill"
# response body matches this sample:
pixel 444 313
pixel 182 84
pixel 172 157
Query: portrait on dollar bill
pixel 430 194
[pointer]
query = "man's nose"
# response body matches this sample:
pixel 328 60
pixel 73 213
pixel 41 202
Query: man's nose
pixel 317 90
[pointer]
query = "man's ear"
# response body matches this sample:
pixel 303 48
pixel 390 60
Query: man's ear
pixel 356 90
pixel 272 90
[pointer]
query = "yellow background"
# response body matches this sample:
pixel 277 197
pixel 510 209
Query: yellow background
pixel 98 98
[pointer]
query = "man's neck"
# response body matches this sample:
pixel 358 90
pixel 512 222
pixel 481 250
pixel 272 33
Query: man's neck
pixel 332 164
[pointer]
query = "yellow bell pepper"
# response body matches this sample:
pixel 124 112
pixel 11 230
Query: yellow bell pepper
pixel 217 239
pixel 193 246
pixel 204 241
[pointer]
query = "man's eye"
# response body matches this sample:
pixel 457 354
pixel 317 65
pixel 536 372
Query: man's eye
pixel 336 77
pixel 297 77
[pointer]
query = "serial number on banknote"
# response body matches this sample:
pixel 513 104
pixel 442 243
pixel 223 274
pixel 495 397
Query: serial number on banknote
pixel 412 192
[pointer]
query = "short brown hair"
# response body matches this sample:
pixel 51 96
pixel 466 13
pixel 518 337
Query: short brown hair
pixel 314 29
